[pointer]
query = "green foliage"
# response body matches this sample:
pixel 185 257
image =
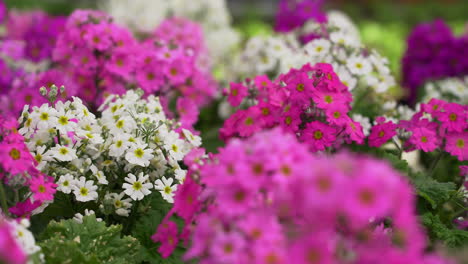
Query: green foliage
pixel 437 230
pixel 145 227
pixel 68 241
pixel 434 192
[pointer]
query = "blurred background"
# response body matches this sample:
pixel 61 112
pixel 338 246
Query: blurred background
pixel 383 24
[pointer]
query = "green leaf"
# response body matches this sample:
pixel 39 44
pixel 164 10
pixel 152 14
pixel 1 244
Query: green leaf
pixel 68 241
pixel 451 237
pixel 146 226
pixel 434 192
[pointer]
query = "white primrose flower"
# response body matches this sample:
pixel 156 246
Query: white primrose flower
pixel 165 188
pixel 120 144
pixel 79 217
pixel 137 189
pixel 343 39
pixel 174 145
pixel 24 237
pixel 41 157
pixel 139 155
pixel 66 183
pixel 318 47
pixel 64 123
pixel 85 191
pixel 180 174
pixel 122 206
pixel 365 123
pixel 359 65
pixel 191 138
pixel 99 175
pixel 62 153
pixel 44 117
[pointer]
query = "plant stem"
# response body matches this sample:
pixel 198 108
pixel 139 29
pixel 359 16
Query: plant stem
pixel 400 151
pixel 58 137
pixel 434 163
pixel 3 200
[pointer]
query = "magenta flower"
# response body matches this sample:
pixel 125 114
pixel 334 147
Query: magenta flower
pixel 424 139
pixel 42 187
pixel 318 135
pixel 381 133
pixel 457 145
pixel 236 93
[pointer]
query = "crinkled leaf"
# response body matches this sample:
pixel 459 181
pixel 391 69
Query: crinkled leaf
pixel 89 242
pixel 452 237
pixel 434 192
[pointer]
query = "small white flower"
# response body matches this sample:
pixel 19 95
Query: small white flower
pixel 79 217
pixel 63 121
pixel 191 138
pixel 359 65
pixel 180 175
pixel 24 237
pixel 44 117
pixel 62 153
pixel 318 47
pixel 165 188
pixel 122 206
pixel 85 190
pixel 41 157
pixel 365 123
pixel 139 155
pixel 99 175
pixel 344 39
pixel 119 146
pixel 66 183
pixel 174 145
pixel 137 189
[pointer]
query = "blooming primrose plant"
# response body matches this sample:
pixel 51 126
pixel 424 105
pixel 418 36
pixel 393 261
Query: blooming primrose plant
pixel 112 161
pixel 267 199
pixel 310 102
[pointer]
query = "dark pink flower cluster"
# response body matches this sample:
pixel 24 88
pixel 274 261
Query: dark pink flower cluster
pixel 433 52
pixel 439 125
pixel 17 167
pixel 24 90
pixel 104 58
pixel 268 200
pixel 36 31
pixel 292 14
pixel 310 102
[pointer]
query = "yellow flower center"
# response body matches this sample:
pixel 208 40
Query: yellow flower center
pixel 453 117
pixel 120 124
pixel 300 87
pixel 328 99
pixel 423 139
pixel 460 143
pixel 248 121
pixel 63 120
pixel 167 190
pixel 15 154
pixel 63 151
pixel 44 116
pixel 41 188
pixel 139 153
pixel 318 134
pixel 84 191
pixel 137 186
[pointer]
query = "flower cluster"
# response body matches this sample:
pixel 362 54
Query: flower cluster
pixel 17 243
pixel 365 72
pixel 439 125
pixel 19 173
pixel 310 102
pixel 104 58
pixel 34 32
pixel 212 15
pixel 114 160
pixel 450 89
pixel 433 52
pixel 263 203
pixel 293 14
